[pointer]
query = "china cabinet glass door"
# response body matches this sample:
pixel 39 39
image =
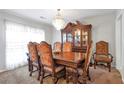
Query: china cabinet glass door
pixel 84 38
pixel 64 37
pixel 69 37
pixel 77 38
pixel 78 34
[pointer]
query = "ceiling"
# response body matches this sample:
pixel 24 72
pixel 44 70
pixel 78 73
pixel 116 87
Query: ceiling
pixel 47 15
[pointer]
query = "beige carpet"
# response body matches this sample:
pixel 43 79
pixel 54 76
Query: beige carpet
pixel 100 75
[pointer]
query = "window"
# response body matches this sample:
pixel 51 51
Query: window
pixel 17 38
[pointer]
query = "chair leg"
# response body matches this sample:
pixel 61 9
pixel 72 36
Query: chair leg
pixel 31 70
pixel 94 64
pixel 54 79
pixel 39 74
pixel 109 67
pixel 29 66
pixel 64 74
pixel 67 75
pixel 42 75
pixel 88 74
pixel 85 81
pixel 75 78
pixel 89 78
pixel 85 78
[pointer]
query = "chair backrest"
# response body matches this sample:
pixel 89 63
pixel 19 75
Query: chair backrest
pixel 88 55
pixel 102 48
pixel 57 47
pixel 45 53
pixel 33 54
pixel 67 47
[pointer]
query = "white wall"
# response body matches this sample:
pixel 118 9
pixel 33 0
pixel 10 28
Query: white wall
pixel 120 42
pixel 103 28
pixel 5 16
pixel 123 46
pixel 2 44
pixel 56 36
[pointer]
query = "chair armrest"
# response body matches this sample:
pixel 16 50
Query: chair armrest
pixel 28 57
pixel 110 55
pixel 27 54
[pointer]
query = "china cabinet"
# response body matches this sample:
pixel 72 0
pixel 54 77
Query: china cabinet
pixel 78 34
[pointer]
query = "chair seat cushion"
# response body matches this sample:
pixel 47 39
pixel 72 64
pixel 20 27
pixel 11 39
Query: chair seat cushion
pixel 57 69
pixel 102 58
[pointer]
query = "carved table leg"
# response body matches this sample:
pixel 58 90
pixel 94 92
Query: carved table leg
pixel 75 77
pixel 67 77
pixel 85 77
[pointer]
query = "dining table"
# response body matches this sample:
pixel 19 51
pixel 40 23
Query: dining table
pixel 69 59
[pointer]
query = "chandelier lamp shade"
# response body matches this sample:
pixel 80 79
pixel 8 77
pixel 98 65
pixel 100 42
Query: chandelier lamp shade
pixel 58 21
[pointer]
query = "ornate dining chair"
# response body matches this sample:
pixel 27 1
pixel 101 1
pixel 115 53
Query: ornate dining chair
pixel 33 59
pixel 47 62
pixel 57 47
pixel 67 47
pixel 102 54
pixel 83 71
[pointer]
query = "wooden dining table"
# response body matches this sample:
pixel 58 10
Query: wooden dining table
pixel 69 59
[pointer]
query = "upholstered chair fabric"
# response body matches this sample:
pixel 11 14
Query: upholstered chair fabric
pixel 102 54
pixel 47 62
pixel 57 47
pixel 67 47
pixel 83 70
pixel 33 52
pixel 102 58
pixel 45 53
pixel 33 58
pixel 85 67
pixel 102 48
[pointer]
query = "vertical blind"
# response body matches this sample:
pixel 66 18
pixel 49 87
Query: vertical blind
pixel 17 38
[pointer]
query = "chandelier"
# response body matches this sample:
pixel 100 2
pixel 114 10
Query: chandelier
pixel 58 21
